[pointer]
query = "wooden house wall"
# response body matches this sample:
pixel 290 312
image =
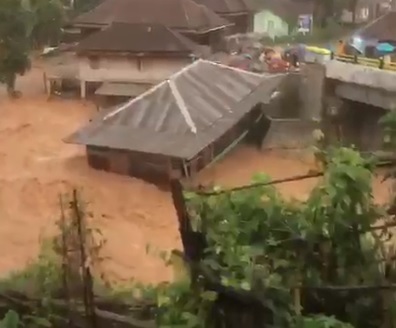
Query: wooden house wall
pixel 158 168
pixel 149 167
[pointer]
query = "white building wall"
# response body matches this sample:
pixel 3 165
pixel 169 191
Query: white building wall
pixel 128 69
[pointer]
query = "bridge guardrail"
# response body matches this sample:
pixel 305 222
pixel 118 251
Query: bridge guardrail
pixel 369 62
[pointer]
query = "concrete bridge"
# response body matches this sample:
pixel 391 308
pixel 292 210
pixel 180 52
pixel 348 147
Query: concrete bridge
pixel 368 85
pixel 352 96
pixel 357 94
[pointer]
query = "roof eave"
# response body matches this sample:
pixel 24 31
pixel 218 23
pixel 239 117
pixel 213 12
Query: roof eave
pixel 88 25
pixel 203 31
pixel 235 13
pixel 183 54
pixel 74 140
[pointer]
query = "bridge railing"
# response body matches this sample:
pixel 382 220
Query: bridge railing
pixel 369 62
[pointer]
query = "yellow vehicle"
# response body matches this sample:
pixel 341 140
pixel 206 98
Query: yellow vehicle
pixel 318 51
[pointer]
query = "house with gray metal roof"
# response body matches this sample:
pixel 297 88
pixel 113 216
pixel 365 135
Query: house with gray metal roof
pixel 127 59
pixel 181 125
pixel 195 21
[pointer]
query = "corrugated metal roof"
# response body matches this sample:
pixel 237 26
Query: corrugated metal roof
pixel 122 89
pixel 182 115
pixel 184 15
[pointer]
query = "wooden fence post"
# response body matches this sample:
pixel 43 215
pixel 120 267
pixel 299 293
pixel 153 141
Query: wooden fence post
pixel 193 242
pixel 381 63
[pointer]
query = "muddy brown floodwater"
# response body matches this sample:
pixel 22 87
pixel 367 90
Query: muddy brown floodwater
pixel 36 166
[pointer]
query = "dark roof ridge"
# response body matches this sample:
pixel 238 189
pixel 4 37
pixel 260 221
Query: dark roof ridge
pixel 183 15
pixel 104 40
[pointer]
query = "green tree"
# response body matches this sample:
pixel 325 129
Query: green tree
pixel 16 22
pixel 49 17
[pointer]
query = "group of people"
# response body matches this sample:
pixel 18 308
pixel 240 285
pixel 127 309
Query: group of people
pixel 279 61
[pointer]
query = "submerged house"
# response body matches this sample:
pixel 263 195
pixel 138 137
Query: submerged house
pixel 197 22
pixel 124 60
pixel 181 125
pixel 238 12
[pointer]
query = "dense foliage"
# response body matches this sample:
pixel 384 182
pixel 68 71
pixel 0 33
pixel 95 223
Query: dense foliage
pixel 10 320
pixel 15 29
pixel 291 250
pixel 23 24
pixel 49 17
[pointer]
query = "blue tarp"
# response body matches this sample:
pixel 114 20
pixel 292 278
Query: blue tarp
pixel 385 47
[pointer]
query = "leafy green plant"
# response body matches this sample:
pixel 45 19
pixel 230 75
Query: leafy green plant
pixel 321 322
pixel 43 279
pixel 179 305
pixel 40 278
pixel 260 242
pixel 10 320
pixel 182 303
pixel 15 29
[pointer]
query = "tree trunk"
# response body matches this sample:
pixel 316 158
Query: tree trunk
pixel 10 82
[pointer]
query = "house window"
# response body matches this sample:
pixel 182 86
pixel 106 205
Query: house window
pixel 364 13
pixel 94 62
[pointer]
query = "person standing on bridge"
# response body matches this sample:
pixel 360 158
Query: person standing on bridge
pixel 340 48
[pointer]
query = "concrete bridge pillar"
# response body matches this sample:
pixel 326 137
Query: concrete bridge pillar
pixel 312 90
